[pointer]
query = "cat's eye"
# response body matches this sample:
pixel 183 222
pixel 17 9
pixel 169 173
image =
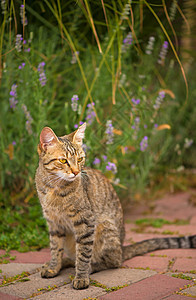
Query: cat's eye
pixel 80 159
pixel 63 160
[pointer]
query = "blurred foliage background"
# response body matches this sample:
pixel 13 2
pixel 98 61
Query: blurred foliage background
pixel 127 68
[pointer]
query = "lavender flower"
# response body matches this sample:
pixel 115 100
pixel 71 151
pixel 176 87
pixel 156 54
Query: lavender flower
pixel 96 161
pixel 188 143
pixel 122 80
pixel 126 11
pixel 150 45
pixel 109 132
pixel 76 126
pixel 14 143
pixel 3 6
pixel 111 167
pixel 173 10
pixel 21 66
pixel 42 75
pixel 90 114
pixel 135 101
pixel 116 181
pixel 74 57
pixel 18 43
pixel 29 119
pixel 136 127
pixel 104 157
pixel 144 144
pixel 163 53
pixel 159 100
pixel 22 15
pixel 74 102
pixel 85 148
pixel 13 97
pixel 127 42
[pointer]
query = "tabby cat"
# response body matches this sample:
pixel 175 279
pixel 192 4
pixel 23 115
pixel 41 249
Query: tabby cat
pixel 83 212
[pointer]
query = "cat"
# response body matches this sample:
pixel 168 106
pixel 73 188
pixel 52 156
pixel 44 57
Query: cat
pixel 83 212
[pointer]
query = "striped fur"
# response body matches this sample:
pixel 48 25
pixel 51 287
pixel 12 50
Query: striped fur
pixel 83 212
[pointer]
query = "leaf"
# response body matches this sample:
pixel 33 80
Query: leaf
pixel 163 126
pixel 10 151
pixel 117 131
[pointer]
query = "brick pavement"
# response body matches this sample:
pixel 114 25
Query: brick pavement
pixel 148 277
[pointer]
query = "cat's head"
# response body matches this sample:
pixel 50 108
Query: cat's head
pixel 62 157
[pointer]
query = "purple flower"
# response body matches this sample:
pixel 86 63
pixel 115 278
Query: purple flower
pixel 111 167
pixel 104 157
pixel 145 126
pixel 85 148
pixel 127 42
pixel 125 148
pixel 144 144
pixel 96 161
pixel 156 125
pixel 29 119
pixel 13 97
pixel 135 101
pixel 163 53
pixel 159 100
pixel 42 75
pixel 22 15
pixel 74 102
pixel 109 132
pixel 90 114
pixel 14 143
pixel 76 126
pixel 18 43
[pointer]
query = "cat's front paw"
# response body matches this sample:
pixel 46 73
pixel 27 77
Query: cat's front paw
pixel 80 283
pixel 47 272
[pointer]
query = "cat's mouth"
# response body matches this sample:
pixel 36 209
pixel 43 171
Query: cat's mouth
pixel 68 177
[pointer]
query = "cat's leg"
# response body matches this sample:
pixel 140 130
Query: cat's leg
pixel 107 250
pixel 84 246
pixel 53 268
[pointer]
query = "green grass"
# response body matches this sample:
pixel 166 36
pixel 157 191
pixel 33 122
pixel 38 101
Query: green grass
pixel 158 222
pixel 23 228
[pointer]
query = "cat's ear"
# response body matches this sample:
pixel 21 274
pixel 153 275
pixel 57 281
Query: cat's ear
pixel 79 135
pixel 47 138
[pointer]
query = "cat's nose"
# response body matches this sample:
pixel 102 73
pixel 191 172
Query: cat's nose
pixel 75 172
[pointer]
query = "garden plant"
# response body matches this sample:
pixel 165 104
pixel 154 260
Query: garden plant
pixel 120 66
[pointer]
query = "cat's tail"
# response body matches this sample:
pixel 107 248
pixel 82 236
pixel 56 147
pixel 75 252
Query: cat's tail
pixel 158 244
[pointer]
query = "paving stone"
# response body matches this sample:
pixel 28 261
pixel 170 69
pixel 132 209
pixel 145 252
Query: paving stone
pixel 184 264
pixel 187 253
pixel 36 257
pixel 190 291
pixel 176 297
pixel 27 288
pixel 8 270
pixel 154 263
pixel 154 288
pixel 193 220
pixel 175 206
pixel 68 293
pixel 8 297
pixel 118 277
